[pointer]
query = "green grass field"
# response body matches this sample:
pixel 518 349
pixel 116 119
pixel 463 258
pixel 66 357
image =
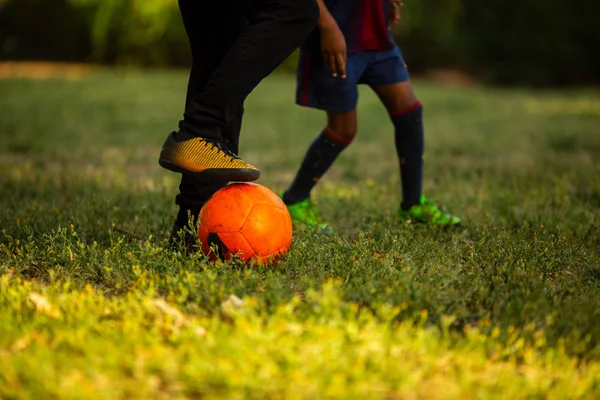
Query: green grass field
pixel 508 307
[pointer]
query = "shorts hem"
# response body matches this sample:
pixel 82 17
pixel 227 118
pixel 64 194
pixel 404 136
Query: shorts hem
pixel 390 82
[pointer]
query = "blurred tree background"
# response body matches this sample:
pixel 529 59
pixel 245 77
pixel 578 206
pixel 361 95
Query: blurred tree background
pixel 526 42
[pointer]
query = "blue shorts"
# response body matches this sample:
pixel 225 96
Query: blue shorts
pixel 316 87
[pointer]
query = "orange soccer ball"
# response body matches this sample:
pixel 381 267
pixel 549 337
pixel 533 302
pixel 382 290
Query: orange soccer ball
pixel 247 220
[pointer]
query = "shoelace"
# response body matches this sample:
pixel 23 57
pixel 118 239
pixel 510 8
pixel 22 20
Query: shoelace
pixel 231 154
pixel 223 149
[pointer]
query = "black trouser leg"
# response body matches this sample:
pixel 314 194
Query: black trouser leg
pixel 212 28
pixel 233 50
pixel 275 29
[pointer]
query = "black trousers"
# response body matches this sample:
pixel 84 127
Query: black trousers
pixel 235 44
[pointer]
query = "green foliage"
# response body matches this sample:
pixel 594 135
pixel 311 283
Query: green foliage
pixel 130 32
pixel 314 346
pixel 429 34
pixel 43 29
pixel 504 308
pixel 532 42
pixel 135 31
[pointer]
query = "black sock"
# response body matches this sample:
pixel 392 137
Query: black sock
pixel 184 230
pixel 410 144
pixel 320 156
pixel 185 224
pixel 187 218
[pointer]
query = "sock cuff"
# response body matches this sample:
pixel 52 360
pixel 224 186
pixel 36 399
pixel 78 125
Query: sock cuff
pixel 406 110
pixel 335 138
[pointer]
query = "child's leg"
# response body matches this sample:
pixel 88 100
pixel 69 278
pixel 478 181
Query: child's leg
pixel 397 97
pixel 407 116
pixel 195 190
pixel 335 137
pixel 274 31
pixel 338 97
pixel 209 43
pixel 235 61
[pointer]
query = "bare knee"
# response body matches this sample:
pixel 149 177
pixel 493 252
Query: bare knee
pixel 402 107
pixel 342 126
pixel 343 135
pixel 397 98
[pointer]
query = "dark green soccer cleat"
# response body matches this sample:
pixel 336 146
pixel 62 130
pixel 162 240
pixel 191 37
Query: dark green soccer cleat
pixel 430 214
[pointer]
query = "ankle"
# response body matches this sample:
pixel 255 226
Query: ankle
pixel 185 216
pixel 291 198
pixel 407 205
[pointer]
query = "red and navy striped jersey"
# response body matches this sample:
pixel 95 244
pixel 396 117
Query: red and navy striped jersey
pixel 364 23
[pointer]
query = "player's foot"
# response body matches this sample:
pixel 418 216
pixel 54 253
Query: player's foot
pixel 429 213
pixel 207 157
pixel 304 213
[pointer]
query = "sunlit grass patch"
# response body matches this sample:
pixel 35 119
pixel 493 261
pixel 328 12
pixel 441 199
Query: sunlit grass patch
pixel 80 343
pixel 506 307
